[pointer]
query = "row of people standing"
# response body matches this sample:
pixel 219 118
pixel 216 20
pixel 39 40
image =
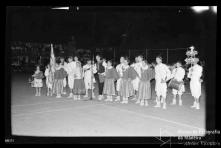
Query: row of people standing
pixel 131 80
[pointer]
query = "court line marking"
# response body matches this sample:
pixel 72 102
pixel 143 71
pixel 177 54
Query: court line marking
pixel 154 117
pixel 23 114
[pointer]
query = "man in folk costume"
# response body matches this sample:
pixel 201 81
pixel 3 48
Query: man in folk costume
pixel 119 69
pixel 89 80
pixel 99 76
pixel 195 73
pixel 162 75
pixel 137 67
pixel 64 64
pixel 178 74
pixel 70 70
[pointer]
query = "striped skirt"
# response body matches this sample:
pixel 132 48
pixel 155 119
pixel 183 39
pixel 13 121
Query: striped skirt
pixel 79 87
pixel 57 86
pixel 109 88
pixel 126 88
pixel 144 90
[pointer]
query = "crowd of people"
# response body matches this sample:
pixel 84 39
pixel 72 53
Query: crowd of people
pixel 119 83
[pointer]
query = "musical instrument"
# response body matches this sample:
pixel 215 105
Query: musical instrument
pixel 174 84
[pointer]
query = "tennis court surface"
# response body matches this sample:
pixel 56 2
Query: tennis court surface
pixel 50 116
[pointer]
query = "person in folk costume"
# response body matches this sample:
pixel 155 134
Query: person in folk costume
pixel 111 76
pixel 195 73
pixel 49 79
pixel 137 67
pixel 38 76
pixel 89 80
pixel 178 74
pixel 70 71
pixel 119 69
pixel 59 76
pixel 126 87
pixel 162 75
pixel 99 76
pixel 79 86
pixel 144 89
pixel 64 64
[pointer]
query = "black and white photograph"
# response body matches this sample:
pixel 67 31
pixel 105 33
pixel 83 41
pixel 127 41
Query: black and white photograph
pixel 110 71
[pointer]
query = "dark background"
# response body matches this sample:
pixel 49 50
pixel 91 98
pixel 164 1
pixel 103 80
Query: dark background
pixel 119 27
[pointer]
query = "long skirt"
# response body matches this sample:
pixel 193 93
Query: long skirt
pixel 79 87
pixel 57 86
pixel 109 88
pixel 126 88
pixel 144 91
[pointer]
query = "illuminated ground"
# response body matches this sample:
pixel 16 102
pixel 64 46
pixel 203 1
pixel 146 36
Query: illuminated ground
pixel 49 116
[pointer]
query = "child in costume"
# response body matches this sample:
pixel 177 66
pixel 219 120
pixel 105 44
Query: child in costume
pixel 38 76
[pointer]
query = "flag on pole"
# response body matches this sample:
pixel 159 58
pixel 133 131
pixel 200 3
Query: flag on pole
pixel 52 57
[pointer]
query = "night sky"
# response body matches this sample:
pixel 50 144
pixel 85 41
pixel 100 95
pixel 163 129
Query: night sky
pixel 126 27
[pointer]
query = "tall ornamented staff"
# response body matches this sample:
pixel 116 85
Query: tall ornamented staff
pixel 191 56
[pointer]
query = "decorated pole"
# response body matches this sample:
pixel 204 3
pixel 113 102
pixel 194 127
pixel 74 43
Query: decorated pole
pixel 52 58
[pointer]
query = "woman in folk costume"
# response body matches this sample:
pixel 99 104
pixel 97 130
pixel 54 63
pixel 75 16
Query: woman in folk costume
pixel 119 69
pixel 59 76
pixel 126 87
pixel 49 79
pixel 144 90
pixel 38 76
pixel 70 71
pixel 195 73
pixel 111 75
pixel 162 75
pixel 64 64
pixel 137 67
pixel 89 79
pixel 178 74
pixel 79 86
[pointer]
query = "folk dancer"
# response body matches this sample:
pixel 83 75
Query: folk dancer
pixel 162 75
pixel 195 73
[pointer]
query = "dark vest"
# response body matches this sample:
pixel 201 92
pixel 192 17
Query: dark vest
pixel 100 67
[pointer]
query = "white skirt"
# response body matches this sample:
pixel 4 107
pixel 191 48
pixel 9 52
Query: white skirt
pixel 38 83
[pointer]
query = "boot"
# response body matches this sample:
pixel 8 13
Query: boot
pixel 71 95
pixel 194 104
pixel 164 105
pixel 142 103
pixel 173 102
pixel 117 98
pixel 138 101
pixel 180 103
pixel 158 104
pixel 197 105
pixel 146 103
